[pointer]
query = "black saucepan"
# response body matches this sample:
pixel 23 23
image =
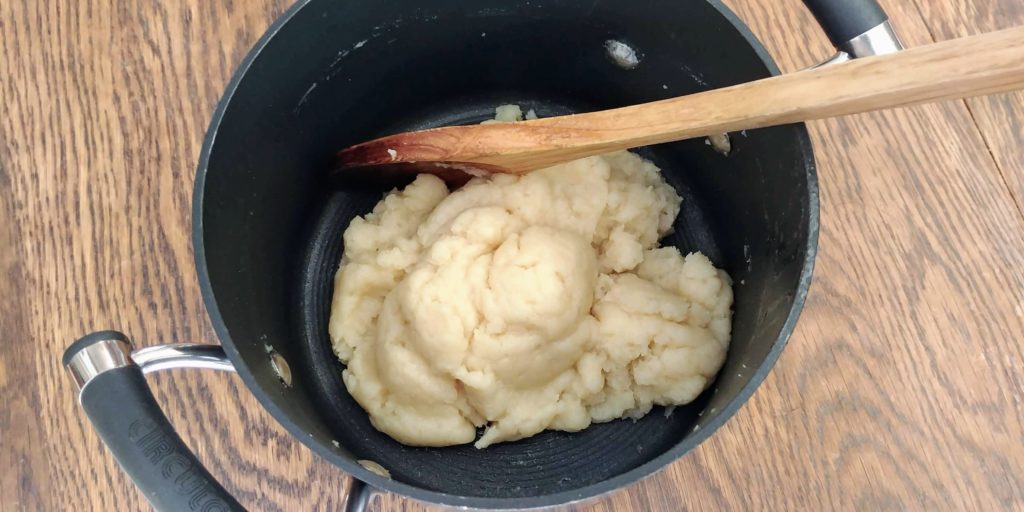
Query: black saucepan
pixel 268 226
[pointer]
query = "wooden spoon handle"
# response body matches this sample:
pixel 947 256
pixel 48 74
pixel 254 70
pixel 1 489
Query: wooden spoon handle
pixel 970 66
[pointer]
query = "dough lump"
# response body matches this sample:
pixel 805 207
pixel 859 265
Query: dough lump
pixel 524 303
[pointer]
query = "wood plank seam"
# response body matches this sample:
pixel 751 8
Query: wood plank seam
pixel 995 161
pixel 977 126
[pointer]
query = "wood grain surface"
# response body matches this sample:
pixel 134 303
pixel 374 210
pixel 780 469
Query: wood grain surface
pixel 901 389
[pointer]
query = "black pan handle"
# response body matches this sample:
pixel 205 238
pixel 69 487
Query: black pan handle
pixel 845 20
pixel 121 407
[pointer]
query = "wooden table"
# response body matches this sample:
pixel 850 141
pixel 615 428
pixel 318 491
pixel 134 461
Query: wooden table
pixel 901 389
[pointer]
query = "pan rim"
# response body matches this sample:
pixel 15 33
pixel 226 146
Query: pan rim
pixel 349 465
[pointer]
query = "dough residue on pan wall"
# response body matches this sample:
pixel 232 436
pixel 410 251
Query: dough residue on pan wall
pixel 525 303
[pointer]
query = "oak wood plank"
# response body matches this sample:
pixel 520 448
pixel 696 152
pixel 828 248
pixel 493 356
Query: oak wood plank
pixel 999 117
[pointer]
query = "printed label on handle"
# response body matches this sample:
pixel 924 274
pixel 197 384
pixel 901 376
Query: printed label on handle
pixel 159 449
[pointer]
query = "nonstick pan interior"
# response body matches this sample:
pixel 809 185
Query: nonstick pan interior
pixel 543 464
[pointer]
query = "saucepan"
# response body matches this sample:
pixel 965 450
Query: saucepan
pixel 268 223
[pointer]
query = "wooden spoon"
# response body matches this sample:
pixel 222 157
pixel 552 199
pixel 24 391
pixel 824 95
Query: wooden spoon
pixel 970 66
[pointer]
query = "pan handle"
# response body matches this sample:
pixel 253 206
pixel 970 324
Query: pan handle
pixel 121 407
pixel 857 28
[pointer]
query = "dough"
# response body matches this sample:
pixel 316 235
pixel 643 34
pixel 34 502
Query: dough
pixel 525 303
